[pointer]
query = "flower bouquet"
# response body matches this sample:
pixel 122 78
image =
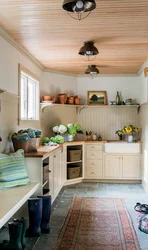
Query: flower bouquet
pixel 69 130
pixel 128 130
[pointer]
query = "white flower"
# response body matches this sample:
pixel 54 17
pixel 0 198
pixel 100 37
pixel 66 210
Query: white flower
pixel 69 125
pixel 62 129
pixel 55 129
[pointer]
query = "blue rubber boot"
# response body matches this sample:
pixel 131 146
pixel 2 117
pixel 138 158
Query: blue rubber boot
pixel 45 223
pixel 15 234
pixel 35 206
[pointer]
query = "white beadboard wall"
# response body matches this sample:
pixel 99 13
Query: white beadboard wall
pixel 106 120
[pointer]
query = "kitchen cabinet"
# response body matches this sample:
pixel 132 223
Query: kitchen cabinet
pixel 94 161
pixel 119 166
pixel 48 172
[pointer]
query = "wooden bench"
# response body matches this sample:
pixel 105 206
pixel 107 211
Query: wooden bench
pixel 13 198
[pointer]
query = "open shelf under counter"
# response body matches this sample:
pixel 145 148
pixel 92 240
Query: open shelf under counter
pixel 71 162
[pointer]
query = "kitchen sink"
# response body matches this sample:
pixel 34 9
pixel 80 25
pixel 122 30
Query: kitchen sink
pixel 122 147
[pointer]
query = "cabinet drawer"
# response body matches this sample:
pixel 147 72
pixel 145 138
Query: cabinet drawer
pixel 94 172
pixel 94 147
pixel 93 163
pixel 94 155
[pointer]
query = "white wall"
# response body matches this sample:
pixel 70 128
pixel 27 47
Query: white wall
pixel 10 57
pixel 128 86
pixel 53 84
pixel 143 82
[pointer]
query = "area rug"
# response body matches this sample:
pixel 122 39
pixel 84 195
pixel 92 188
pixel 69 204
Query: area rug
pixel 97 224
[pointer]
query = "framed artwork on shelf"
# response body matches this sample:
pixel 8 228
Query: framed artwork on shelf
pixel 97 97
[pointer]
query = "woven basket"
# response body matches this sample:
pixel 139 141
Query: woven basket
pixel 73 172
pixel 74 155
pixel 30 145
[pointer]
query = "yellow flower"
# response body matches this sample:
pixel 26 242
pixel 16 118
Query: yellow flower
pixel 128 129
pixel 137 129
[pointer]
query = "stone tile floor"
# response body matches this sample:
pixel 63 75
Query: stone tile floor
pixel 132 193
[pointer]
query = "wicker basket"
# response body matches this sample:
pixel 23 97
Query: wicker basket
pixel 74 155
pixel 73 172
pixel 30 145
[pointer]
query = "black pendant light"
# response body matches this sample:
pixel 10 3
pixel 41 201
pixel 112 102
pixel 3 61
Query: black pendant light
pixel 88 51
pixel 81 8
pixel 92 71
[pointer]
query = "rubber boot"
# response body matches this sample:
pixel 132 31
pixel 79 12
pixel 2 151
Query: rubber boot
pixel 15 234
pixel 45 223
pixel 24 223
pixel 35 216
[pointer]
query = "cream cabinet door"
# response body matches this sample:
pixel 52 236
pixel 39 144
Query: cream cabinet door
pixel 131 167
pixel 112 167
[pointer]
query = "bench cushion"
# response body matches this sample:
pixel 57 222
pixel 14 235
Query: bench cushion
pixel 12 170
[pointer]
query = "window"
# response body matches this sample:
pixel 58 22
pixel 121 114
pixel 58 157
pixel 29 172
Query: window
pixel 29 96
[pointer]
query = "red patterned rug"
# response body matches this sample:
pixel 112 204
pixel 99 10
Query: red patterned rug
pixel 97 224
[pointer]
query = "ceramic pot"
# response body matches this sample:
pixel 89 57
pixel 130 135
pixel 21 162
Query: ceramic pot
pixel 70 100
pixel 130 138
pixel 77 101
pixel 46 98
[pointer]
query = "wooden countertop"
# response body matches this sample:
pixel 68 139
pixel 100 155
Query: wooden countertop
pixel 45 151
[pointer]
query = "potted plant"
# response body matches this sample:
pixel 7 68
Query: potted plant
pixel 128 130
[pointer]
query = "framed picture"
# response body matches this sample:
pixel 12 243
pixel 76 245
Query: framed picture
pixel 97 97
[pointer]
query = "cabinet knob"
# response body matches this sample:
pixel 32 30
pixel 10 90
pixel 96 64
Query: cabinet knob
pixel 92 172
pixel 54 156
pixel 49 171
pixel 92 163
pixel 92 154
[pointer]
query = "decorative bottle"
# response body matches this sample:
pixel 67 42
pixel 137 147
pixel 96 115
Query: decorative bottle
pixel 117 98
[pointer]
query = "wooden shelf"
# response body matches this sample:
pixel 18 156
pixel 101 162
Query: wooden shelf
pixel 71 162
pixel 44 183
pixel 80 107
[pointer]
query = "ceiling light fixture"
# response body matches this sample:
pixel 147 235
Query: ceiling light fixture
pixel 88 51
pixel 80 7
pixel 92 71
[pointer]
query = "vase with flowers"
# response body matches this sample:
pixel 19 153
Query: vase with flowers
pixel 68 131
pixel 128 130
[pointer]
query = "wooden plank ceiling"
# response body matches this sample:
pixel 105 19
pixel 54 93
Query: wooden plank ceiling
pixel 119 29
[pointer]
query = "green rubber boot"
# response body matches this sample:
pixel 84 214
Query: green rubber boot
pixel 23 238
pixel 15 234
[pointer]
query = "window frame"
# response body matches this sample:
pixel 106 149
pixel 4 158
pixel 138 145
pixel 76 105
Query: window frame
pixel 32 76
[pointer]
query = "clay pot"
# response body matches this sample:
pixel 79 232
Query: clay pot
pixel 62 98
pixel 70 100
pixel 46 98
pixel 55 100
pixel 77 101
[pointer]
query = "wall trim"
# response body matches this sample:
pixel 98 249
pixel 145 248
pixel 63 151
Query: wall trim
pixel 9 39
pixel 145 185
pixel 144 65
pixel 59 72
pixel 146 71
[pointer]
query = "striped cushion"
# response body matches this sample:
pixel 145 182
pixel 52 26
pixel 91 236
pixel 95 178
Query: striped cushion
pixel 12 170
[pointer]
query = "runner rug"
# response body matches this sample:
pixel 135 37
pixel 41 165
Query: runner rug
pixel 97 224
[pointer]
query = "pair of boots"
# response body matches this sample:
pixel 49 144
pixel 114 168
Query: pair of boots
pixel 39 215
pixel 17 231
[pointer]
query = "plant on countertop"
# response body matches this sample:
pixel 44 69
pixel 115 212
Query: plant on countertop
pixel 58 139
pixel 59 129
pixel 25 134
pixel 128 130
pixel 70 128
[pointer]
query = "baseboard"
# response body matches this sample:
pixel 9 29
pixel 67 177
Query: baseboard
pixel 145 185
pixel 113 181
